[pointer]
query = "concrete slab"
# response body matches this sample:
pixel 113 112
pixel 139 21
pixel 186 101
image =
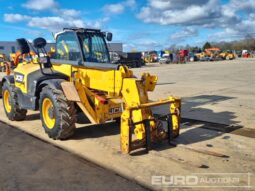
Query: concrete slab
pixel 221 92
pixel 100 144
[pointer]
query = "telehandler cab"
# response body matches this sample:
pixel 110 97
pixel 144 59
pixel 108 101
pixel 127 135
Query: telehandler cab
pixel 80 76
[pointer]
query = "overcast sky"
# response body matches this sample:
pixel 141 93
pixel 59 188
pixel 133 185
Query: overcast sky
pixel 141 25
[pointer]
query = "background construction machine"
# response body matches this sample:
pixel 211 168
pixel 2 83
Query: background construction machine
pixel 79 77
pixel 213 54
pixel 3 61
pixel 150 57
pixel 209 54
pixel 227 55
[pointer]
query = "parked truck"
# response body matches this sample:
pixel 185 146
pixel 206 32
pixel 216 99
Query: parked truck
pixel 131 59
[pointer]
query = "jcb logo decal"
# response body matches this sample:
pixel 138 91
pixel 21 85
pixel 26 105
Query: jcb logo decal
pixel 115 110
pixel 19 78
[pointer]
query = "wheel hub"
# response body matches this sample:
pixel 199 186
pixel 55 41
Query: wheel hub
pixel 48 113
pixel 7 101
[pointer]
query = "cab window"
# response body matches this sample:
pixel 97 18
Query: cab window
pixel 94 48
pixel 68 47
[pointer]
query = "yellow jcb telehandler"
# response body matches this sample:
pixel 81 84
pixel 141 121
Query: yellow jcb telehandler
pixel 79 76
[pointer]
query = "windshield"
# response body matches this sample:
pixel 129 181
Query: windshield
pixel 94 47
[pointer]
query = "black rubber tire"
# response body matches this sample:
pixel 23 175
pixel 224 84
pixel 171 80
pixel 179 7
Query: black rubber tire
pixel 64 112
pixel 16 113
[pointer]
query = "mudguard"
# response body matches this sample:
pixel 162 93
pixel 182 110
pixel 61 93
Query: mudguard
pixel 9 79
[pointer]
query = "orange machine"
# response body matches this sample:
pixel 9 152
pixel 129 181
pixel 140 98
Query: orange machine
pixel 211 52
pixel 18 57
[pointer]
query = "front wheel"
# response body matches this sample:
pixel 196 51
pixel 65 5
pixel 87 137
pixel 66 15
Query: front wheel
pixel 10 102
pixel 58 115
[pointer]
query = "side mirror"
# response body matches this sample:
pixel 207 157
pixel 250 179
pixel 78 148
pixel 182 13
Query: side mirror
pixel 39 43
pixel 109 36
pixel 23 46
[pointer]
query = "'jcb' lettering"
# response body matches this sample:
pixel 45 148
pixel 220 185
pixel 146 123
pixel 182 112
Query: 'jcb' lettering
pixel 19 78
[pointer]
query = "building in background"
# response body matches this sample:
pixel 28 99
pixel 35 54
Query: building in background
pixel 115 47
pixel 7 47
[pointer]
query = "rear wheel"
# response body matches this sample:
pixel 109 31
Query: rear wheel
pixel 58 115
pixel 10 102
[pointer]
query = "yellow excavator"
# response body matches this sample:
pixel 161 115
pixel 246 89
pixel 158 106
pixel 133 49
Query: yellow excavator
pixel 79 76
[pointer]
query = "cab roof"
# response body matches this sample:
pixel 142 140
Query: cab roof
pixel 77 29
